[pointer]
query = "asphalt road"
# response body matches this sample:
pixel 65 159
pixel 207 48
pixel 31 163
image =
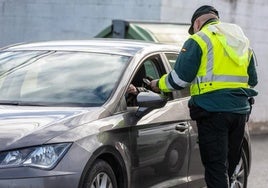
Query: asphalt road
pixel 258 177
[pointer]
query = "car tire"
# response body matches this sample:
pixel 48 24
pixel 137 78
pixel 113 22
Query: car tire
pixel 101 175
pixel 240 176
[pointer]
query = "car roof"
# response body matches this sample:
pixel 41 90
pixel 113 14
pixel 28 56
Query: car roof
pixel 112 46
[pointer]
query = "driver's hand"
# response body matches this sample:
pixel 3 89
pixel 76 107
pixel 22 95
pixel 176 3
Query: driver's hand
pixel 154 86
pixel 132 89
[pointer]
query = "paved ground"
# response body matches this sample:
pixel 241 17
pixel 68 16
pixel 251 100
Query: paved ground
pixel 259 145
pixel 259 167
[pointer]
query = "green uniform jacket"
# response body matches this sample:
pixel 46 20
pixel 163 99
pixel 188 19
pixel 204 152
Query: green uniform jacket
pixel 223 100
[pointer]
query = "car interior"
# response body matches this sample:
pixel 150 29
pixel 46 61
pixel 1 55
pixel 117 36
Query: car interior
pixel 150 69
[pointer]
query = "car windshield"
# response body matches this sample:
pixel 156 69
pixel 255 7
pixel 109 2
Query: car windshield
pixel 58 78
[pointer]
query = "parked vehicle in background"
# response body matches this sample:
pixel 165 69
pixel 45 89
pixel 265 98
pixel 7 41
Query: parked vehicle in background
pixel 65 121
pixel 159 32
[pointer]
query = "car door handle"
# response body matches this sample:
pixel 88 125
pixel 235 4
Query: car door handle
pixel 181 127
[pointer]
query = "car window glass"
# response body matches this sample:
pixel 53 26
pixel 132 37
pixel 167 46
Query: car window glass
pixel 151 70
pixel 172 57
pixel 62 78
pixel 10 60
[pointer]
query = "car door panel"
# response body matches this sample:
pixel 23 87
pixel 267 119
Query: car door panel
pixel 163 147
pixel 196 170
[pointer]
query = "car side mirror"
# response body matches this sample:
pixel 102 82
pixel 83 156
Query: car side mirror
pixel 148 101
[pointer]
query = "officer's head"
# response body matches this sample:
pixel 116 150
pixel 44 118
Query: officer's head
pixel 205 11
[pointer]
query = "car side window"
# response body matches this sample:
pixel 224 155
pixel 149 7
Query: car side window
pixel 151 68
pixel 172 57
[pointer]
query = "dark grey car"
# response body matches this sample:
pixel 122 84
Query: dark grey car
pixel 66 119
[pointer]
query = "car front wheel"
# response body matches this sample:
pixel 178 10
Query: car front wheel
pixel 240 176
pixel 101 175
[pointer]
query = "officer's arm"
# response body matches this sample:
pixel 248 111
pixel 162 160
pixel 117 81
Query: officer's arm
pixel 185 69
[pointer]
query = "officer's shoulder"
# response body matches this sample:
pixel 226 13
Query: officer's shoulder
pixel 190 42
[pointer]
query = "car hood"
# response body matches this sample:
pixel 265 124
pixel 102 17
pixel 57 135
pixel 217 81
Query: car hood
pixel 27 126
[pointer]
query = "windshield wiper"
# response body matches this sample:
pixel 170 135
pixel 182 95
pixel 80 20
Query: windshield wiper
pixel 59 104
pixel 9 103
pixel 21 103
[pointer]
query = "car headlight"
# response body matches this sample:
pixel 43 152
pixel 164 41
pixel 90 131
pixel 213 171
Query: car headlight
pixel 45 156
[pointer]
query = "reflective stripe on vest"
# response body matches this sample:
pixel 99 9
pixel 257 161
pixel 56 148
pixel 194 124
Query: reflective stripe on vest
pixel 165 86
pixel 208 81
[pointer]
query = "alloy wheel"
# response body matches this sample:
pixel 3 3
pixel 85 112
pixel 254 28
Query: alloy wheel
pixel 102 180
pixel 239 178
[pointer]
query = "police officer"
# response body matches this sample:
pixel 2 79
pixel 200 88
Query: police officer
pixel 218 65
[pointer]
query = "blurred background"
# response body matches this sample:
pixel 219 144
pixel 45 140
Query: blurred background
pixel 41 20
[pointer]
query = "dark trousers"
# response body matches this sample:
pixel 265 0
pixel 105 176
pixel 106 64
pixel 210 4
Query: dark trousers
pixel 220 141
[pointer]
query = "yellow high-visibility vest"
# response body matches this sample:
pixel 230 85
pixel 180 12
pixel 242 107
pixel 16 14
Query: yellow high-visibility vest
pixel 221 65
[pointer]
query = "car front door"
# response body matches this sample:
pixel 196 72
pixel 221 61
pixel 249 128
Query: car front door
pixel 196 170
pixel 161 140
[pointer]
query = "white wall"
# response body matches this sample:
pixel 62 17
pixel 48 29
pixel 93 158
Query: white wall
pixel 35 20
pixel 31 20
